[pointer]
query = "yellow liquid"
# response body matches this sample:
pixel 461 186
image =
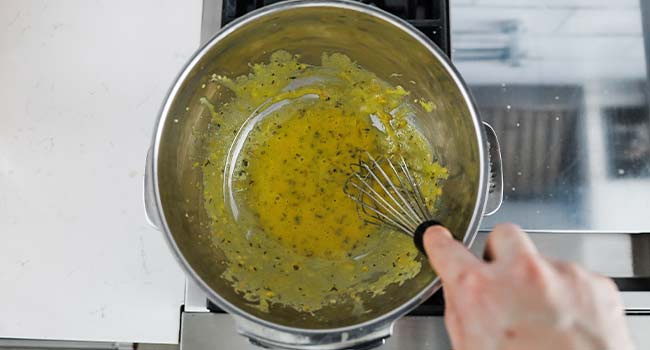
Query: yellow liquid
pixel 298 169
pixel 292 236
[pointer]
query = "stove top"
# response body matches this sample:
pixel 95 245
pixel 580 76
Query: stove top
pixel 431 17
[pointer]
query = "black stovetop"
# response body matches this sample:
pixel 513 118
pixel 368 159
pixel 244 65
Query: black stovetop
pixel 431 17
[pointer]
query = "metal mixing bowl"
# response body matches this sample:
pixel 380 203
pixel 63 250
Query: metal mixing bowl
pixel 382 44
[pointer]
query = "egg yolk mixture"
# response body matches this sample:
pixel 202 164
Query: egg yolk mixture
pixel 279 153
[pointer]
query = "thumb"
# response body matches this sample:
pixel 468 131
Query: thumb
pixel 446 255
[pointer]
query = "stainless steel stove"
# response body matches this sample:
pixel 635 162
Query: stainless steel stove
pixel 568 98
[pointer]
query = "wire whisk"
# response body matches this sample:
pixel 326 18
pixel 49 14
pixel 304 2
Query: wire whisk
pixel 387 193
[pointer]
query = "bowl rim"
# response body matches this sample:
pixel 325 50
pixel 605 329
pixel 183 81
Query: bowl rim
pixel 399 24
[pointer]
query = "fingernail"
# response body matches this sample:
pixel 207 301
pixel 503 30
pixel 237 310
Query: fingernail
pixel 438 230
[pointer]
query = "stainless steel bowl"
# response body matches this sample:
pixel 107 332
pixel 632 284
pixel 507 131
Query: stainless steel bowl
pixel 382 44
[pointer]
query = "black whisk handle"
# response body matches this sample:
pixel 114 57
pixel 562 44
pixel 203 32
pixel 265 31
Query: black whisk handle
pixel 418 235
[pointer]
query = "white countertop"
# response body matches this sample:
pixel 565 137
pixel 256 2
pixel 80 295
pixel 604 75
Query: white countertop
pixel 82 85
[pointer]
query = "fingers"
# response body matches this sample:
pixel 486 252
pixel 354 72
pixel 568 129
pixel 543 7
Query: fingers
pixel 594 292
pixel 507 241
pixel 447 256
pixel 580 277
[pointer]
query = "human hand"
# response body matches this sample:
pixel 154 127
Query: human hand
pixel 522 300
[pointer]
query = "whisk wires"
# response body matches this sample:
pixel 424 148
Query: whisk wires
pixel 387 193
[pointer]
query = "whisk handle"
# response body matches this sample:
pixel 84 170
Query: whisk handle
pixel 418 235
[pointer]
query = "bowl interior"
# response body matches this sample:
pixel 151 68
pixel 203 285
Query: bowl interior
pixel 381 47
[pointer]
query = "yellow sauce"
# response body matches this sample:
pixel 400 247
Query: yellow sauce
pixel 291 131
pixel 297 169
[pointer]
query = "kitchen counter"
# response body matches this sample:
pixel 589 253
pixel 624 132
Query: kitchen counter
pixel 82 84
